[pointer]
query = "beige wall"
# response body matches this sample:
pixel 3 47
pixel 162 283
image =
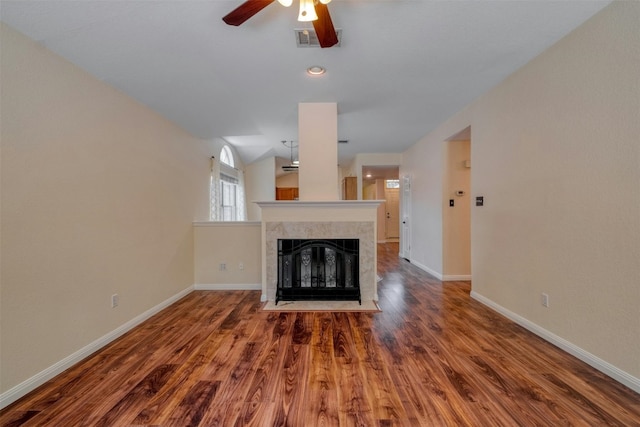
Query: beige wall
pixel 555 153
pixel 98 197
pixel 235 244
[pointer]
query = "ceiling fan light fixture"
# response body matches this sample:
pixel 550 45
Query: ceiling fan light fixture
pixel 316 70
pixel 287 3
pixel 294 165
pixel 307 11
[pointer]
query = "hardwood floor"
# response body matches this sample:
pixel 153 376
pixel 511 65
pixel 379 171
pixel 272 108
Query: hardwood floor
pixel 433 357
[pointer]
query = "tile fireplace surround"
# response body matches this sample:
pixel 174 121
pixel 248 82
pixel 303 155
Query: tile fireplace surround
pixel 320 220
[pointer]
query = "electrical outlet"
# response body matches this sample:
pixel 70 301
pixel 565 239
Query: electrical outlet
pixel 545 300
pixel 223 266
pixel 115 300
pixel 241 266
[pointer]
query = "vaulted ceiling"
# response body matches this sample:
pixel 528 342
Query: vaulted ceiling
pixel 402 67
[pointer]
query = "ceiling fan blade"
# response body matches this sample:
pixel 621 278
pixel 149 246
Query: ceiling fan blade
pixel 245 11
pixel 324 27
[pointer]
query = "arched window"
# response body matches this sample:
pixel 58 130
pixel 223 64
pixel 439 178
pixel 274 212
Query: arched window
pixel 227 189
pixel 226 156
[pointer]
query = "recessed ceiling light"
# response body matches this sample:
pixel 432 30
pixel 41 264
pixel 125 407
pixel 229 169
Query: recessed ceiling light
pixel 315 70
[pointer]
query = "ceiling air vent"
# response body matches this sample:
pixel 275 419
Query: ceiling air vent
pixel 308 37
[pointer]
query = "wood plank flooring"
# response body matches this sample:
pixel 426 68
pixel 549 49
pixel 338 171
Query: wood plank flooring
pixel 433 357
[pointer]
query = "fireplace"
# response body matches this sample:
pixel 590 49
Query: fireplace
pixel 320 220
pixel 318 269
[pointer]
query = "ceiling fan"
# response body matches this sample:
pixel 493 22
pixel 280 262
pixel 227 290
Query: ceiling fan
pixel 315 11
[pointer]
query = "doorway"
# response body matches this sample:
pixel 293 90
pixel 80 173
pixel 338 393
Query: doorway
pixel 405 242
pixel 392 210
pixel 456 218
pixel 382 183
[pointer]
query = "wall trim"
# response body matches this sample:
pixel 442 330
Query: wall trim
pixel 456 277
pixel 42 377
pixel 439 276
pixel 228 286
pixel 346 204
pixel 603 366
pixel 427 269
pixel 227 224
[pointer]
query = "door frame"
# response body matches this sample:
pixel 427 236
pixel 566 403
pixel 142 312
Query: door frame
pixel 405 215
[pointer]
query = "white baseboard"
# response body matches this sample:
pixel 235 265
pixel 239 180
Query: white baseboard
pixel 42 377
pixel 228 286
pixel 427 269
pixel 456 277
pixel 599 364
pixel 440 276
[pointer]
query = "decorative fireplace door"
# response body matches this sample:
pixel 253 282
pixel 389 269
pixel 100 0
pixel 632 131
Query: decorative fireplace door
pixel 318 269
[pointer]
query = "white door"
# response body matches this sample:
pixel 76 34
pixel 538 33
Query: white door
pixel 405 241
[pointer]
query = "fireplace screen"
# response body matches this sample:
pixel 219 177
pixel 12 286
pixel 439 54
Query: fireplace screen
pixel 318 269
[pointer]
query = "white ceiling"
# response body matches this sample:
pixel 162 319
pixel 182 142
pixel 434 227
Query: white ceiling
pixel 403 67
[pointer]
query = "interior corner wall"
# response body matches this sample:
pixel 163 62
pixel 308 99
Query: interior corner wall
pixel 260 183
pixel 98 196
pixel 555 154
